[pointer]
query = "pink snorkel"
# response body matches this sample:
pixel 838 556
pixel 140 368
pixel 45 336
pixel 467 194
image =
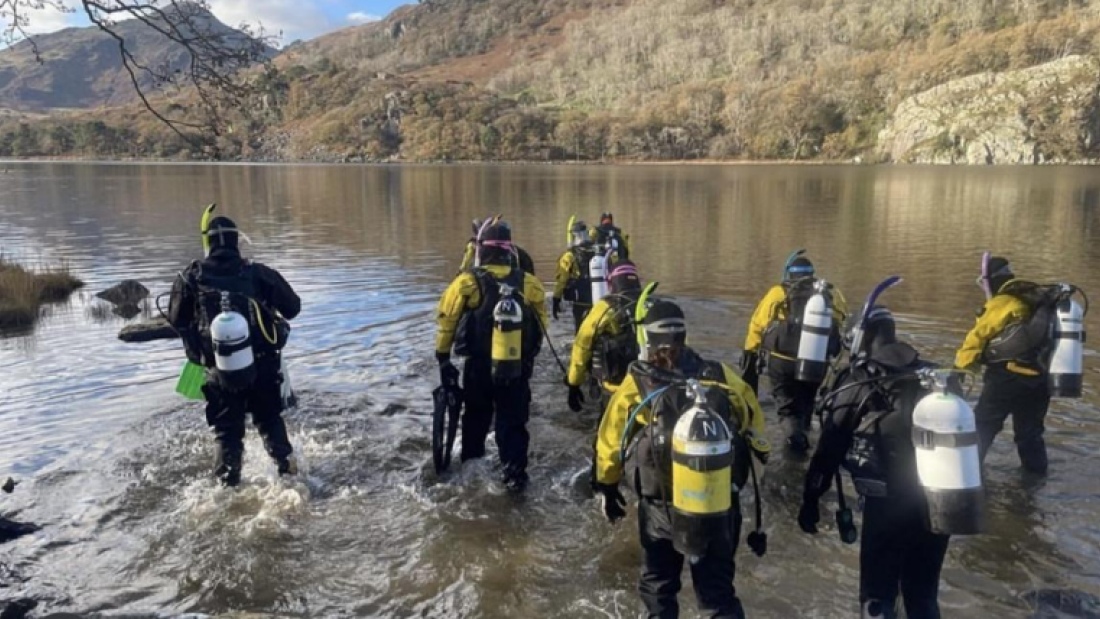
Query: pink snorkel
pixel 983 281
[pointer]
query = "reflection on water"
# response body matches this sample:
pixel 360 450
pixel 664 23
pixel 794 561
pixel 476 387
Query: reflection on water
pixel 117 464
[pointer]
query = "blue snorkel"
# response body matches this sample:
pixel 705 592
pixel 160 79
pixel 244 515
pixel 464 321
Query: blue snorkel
pixel 858 330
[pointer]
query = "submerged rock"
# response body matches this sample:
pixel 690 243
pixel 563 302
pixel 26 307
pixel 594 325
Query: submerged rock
pixel 11 530
pixel 127 293
pixel 156 329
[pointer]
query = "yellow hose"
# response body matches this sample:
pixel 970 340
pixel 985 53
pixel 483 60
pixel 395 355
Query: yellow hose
pixel 260 321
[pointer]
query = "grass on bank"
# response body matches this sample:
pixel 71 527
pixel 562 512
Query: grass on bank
pixel 23 291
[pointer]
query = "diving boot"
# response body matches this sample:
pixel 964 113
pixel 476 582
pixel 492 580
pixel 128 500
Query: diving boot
pixel 287 466
pixel 515 482
pixel 227 466
pixel 797 441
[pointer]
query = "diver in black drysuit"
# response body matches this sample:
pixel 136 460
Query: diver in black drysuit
pixel 224 268
pixel 868 429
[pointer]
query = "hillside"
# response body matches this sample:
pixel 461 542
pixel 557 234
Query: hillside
pixel 670 79
pixel 81 67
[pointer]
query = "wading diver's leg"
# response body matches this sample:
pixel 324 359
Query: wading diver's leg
pixel 266 405
pixel 477 414
pixel 661 564
pixel 513 405
pixel 225 414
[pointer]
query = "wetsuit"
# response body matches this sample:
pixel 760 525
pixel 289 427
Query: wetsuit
pixel 190 312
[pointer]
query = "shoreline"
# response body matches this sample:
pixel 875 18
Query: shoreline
pixel 531 162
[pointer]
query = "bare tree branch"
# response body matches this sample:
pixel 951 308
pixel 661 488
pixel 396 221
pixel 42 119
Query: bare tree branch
pixel 217 76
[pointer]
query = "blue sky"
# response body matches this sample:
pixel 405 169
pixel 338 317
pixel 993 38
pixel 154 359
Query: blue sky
pixel 297 19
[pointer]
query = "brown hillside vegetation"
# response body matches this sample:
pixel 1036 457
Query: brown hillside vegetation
pixel 647 79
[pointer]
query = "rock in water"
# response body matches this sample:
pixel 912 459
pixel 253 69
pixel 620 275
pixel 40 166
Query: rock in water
pixel 128 292
pixel 10 529
pixel 17 609
pixel 9 486
pixel 157 329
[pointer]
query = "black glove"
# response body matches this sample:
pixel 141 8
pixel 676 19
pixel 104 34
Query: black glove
pixel 750 370
pixel 576 399
pixel 556 307
pixel 448 373
pixel 612 502
pixel 808 516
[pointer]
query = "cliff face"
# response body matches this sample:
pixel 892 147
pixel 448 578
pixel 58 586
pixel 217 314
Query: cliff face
pixel 1028 116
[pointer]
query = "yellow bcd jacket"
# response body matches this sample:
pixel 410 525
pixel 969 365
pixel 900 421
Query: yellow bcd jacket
pixel 463 295
pixel 568 270
pixel 771 308
pixel 609 467
pixel 999 312
pixel 598 323
pixel 468 257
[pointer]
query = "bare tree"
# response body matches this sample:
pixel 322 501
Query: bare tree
pixel 215 75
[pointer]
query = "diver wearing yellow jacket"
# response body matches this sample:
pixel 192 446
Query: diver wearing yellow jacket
pixel 606 343
pixel 773 340
pixel 1014 384
pixel 648 465
pixel 469 254
pixel 466 321
pixel 572 281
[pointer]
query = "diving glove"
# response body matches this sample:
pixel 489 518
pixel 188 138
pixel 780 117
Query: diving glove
pixel 808 516
pixel 448 373
pixel 611 501
pixel 750 370
pixel 576 399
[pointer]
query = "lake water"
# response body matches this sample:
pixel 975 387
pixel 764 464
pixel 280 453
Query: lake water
pixel 115 465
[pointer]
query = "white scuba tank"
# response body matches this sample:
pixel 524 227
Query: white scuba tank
pixel 1068 355
pixel 813 345
pixel 946 441
pixel 229 332
pixel 597 274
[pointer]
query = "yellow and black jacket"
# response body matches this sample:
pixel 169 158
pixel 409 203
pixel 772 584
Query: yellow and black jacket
pixel 605 333
pixel 999 313
pixel 772 310
pixel 464 295
pixel 571 282
pixel 741 404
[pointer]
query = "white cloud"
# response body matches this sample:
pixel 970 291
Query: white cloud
pixel 44 20
pixel 359 17
pixel 296 19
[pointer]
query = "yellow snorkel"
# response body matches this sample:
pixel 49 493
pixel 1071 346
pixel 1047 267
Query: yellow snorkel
pixel 204 227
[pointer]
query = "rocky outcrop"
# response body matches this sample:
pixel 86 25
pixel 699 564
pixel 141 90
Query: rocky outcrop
pixel 127 292
pixel 1028 116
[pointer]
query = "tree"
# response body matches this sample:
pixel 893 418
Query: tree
pixel 216 71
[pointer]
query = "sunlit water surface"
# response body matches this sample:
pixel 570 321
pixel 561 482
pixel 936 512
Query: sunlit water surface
pixel 115 466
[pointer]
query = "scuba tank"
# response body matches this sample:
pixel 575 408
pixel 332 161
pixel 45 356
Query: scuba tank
pixel 597 273
pixel 1069 343
pixel 813 345
pixel 507 352
pixel 232 345
pixel 948 464
pixel 702 459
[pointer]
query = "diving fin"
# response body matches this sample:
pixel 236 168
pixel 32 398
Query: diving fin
pixel 191 380
pixel 447 400
pixel 286 390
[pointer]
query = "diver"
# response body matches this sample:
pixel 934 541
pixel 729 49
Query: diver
pixel 606 342
pixel 1016 378
pixel 210 299
pixel 868 429
pixel 572 282
pixel 640 421
pixel 775 332
pixel 609 237
pixel 494 315
pixel 469 255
